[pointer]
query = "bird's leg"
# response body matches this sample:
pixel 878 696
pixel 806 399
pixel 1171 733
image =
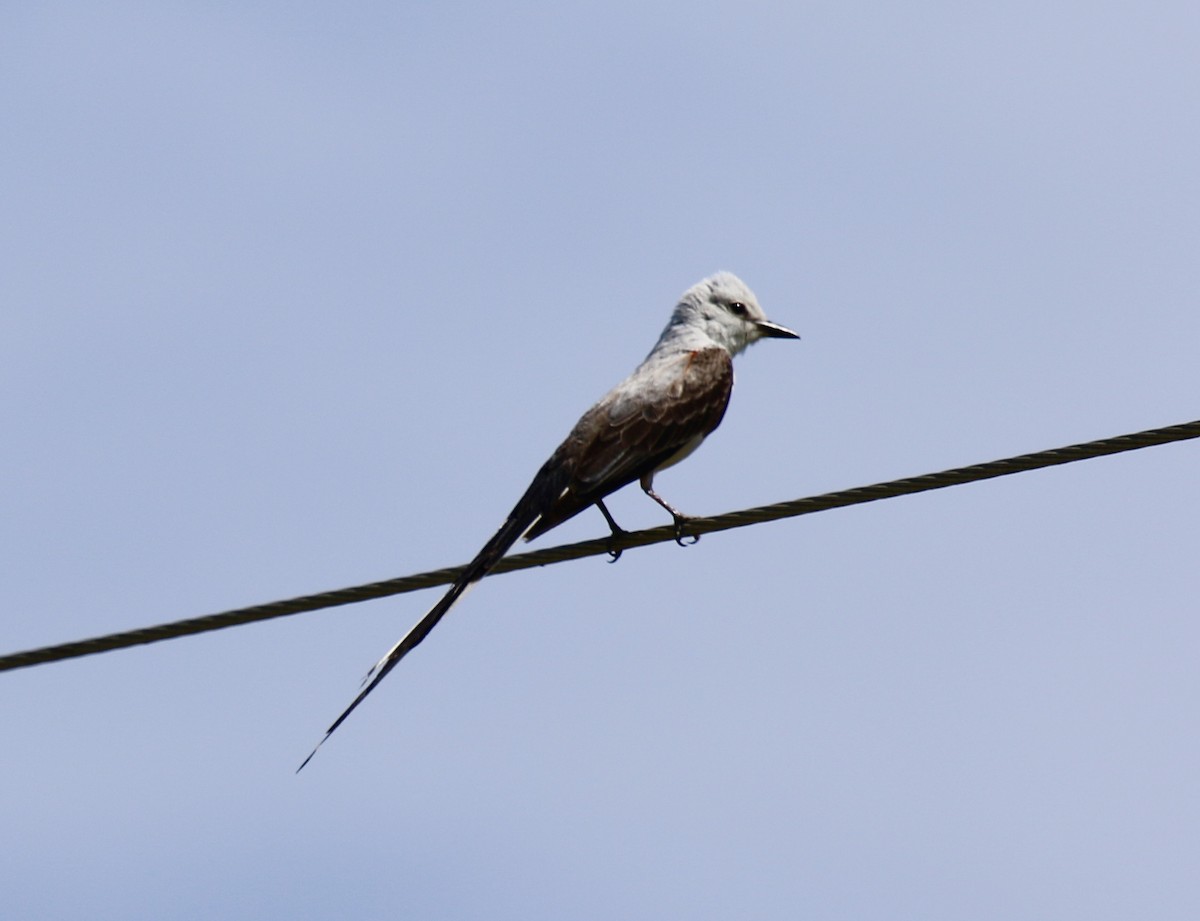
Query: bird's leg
pixel 680 519
pixel 617 531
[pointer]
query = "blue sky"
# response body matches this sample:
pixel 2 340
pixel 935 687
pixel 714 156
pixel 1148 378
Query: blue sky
pixel 297 297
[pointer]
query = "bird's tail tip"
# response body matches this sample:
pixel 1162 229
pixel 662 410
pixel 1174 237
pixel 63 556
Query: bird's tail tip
pixel 316 748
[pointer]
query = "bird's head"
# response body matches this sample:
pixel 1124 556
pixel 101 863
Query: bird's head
pixel 726 310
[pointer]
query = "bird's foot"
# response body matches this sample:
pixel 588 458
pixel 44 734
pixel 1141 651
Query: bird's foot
pixel 618 533
pixel 681 522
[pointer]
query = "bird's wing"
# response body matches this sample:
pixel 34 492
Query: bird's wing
pixel 639 426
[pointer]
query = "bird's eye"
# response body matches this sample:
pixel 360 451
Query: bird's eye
pixel 738 309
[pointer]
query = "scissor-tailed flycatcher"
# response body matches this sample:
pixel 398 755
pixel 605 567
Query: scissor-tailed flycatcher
pixel 654 418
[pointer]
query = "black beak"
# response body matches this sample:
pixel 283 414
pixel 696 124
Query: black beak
pixel 775 331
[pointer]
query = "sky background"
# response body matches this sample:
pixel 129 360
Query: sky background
pixel 299 296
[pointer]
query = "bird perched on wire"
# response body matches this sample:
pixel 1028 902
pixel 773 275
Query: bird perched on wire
pixel 654 418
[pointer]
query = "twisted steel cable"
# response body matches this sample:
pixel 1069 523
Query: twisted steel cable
pixel 696 526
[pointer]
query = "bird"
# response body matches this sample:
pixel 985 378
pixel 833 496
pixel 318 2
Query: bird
pixel 650 421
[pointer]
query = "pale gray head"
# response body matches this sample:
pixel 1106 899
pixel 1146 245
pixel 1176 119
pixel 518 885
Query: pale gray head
pixel 722 309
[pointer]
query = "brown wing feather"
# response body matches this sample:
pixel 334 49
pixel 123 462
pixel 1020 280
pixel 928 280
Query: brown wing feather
pixel 636 429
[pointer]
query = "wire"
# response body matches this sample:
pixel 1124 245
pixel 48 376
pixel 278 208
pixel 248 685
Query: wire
pixel 696 526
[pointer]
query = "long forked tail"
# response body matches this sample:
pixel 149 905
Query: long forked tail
pixel 518 522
